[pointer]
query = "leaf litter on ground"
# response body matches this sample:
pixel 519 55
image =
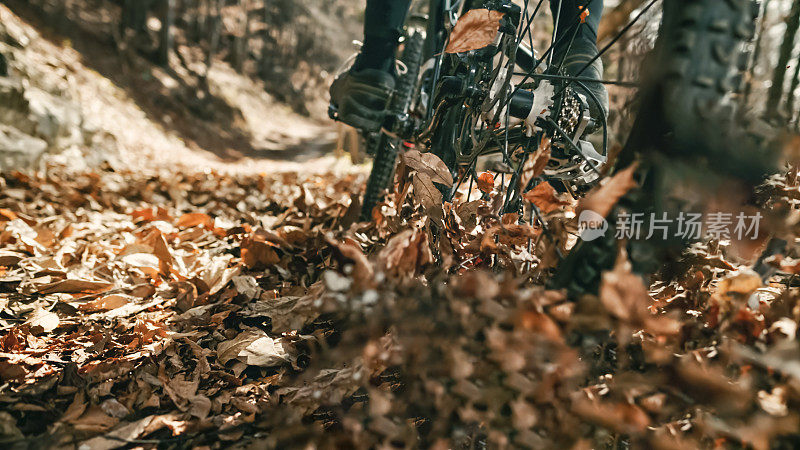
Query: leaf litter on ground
pixel 209 310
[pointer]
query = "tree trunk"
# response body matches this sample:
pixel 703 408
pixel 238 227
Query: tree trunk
pixel 748 87
pixel 134 16
pixel 241 44
pixel 779 76
pixel 167 21
pixel 214 22
pixel 791 97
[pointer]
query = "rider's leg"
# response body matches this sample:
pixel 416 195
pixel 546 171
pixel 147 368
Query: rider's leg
pixel 570 14
pixel 383 26
pixel 573 55
pixel 362 94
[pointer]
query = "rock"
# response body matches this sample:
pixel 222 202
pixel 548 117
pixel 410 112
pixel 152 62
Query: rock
pixel 12 95
pixel 11 32
pixel 18 149
pixel 42 120
pixel 55 120
pixel 37 113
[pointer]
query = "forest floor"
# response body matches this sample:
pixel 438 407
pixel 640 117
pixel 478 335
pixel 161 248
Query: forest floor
pixel 177 297
pixel 178 309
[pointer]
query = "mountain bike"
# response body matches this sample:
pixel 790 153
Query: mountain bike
pixel 505 100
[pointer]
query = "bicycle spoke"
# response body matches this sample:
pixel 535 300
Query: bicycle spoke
pixel 512 187
pixel 506 160
pixel 611 44
pixel 544 76
pixel 550 50
pixel 529 19
pixel 556 19
pixel 569 47
pixel 522 30
pixel 469 189
pixel 470 172
pixel 480 136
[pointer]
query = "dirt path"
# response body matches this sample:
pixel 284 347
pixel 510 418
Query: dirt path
pixel 142 116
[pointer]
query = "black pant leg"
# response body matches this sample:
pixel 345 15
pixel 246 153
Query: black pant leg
pixel 383 25
pixel 570 15
pixel 384 18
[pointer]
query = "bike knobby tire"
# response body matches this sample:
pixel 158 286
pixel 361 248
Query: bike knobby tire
pixel 693 77
pixel 380 179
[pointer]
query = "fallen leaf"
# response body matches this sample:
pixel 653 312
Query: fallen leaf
pixel 476 29
pixel 74 287
pixel 256 250
pixel 738 284
pixel 94 420
pixel 42 321
pixel 406 253
pixel 106 303
pixel 119 436
pixel 429 164
pixel 545 197
pixel 485 182
pixel 427 194
pixel 535 164
pixel 9 258
pixel 255 349
pixel 189 220
pixel 603 198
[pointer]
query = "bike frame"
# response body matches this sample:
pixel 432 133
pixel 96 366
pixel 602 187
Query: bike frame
pixel 442 17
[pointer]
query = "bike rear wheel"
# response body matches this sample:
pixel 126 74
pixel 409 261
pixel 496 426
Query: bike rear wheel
pixel 689 111
pixel 693 79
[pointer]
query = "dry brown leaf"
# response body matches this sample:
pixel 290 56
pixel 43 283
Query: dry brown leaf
pixel 9 258
pixel 476 29
pixel 94 420
pixel 75 409
pixel 189 220
pixel 119 436
pixel 545 197
pixel 43 321
pixel 6 214
pixel 625 296
pixel 428 195
pixel 74 287
pixel 485 182
pixel 253 348
pixel 257 250
pixel 622 417
pixel 429 164
pixel 541 324
pixel 511 234
pixel 106 303
pixel 738 284
pixel 151 214
pixel 535 164
pixel 603 198
pixel 362 269
pixel 788 265
pixel 406 253
pixel 468 213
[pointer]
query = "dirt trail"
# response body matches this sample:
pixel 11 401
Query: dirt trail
pixel 140 116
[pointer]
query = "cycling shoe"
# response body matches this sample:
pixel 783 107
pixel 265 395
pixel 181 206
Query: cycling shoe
pixel 361 97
